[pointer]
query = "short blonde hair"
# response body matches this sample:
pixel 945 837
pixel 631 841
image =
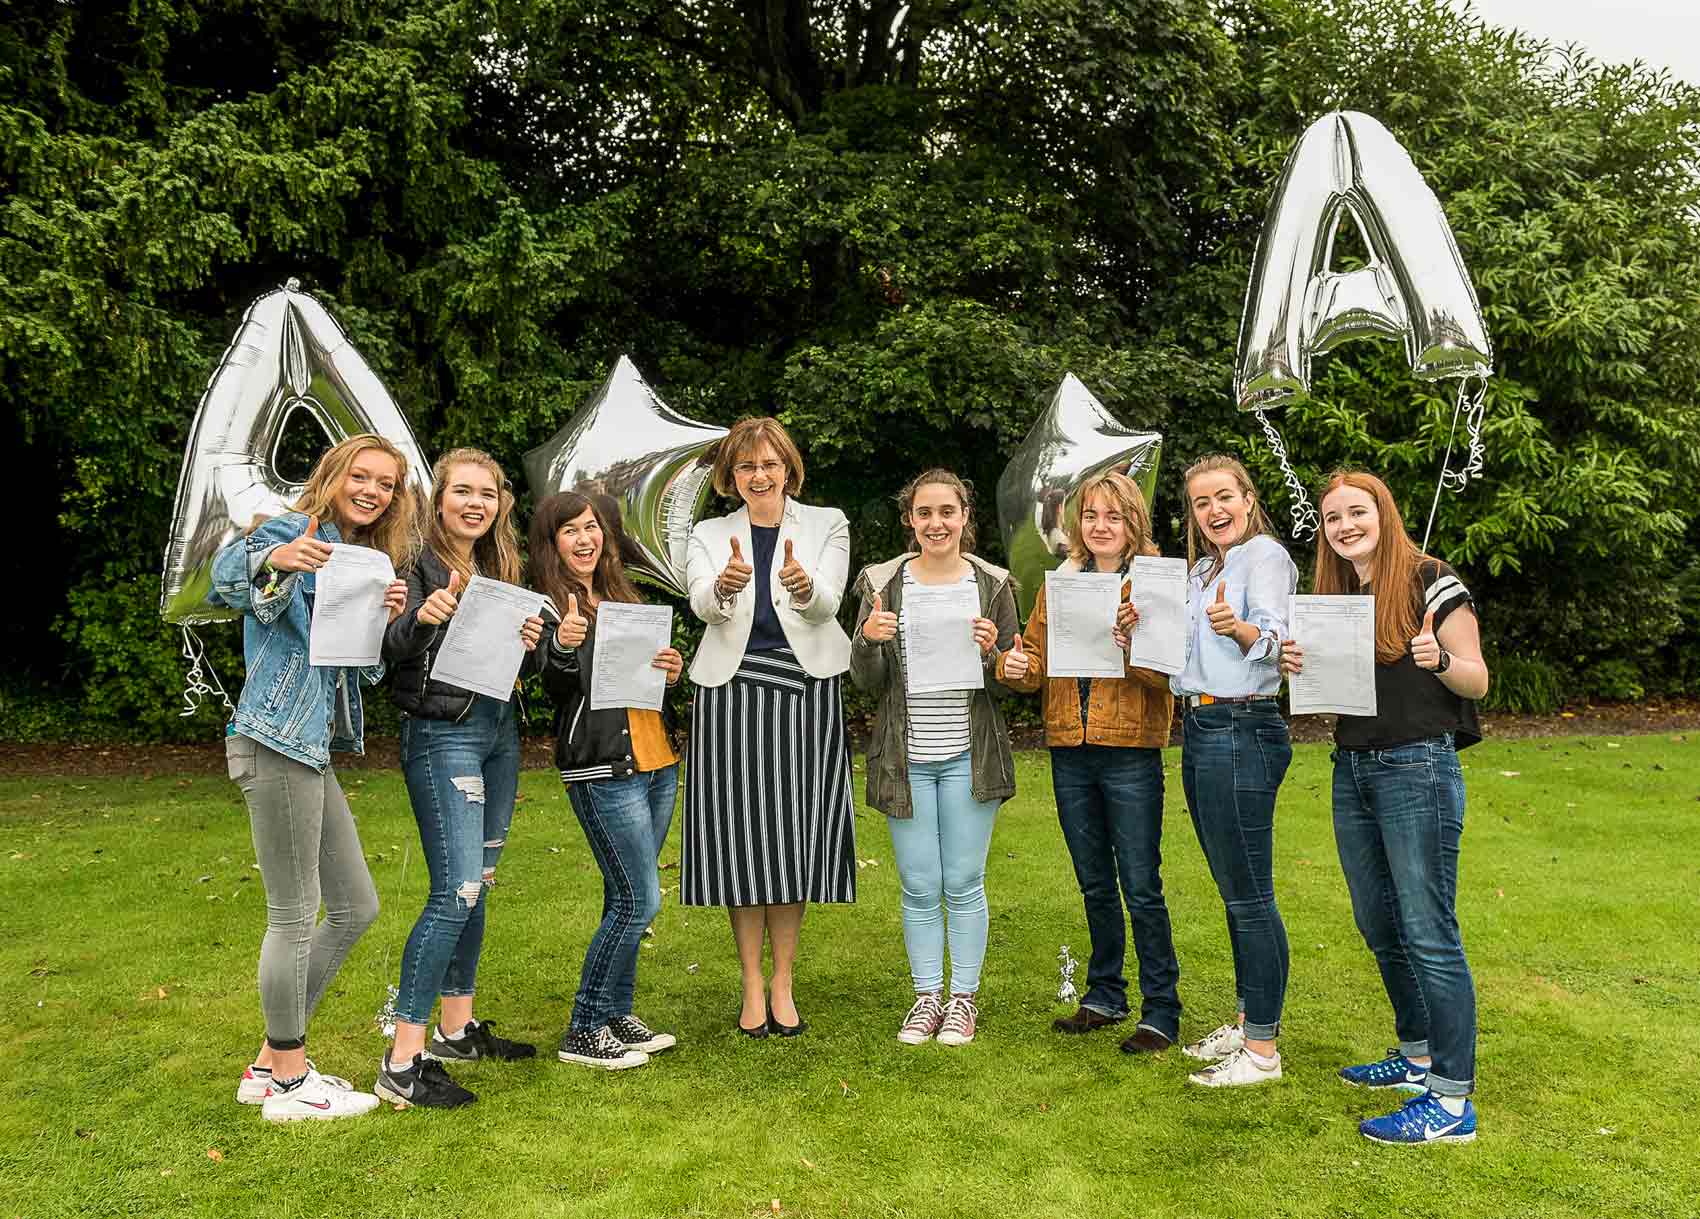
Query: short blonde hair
pixel 1126 497
pixel 744 438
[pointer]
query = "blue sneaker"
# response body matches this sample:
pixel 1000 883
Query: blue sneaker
pixel 1394 1071
pixel 1421 1120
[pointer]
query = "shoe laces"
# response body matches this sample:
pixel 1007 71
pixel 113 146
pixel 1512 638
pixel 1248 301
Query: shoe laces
pixel 959 1014
pixel 631 1024
pixel 926 1014
pixel 1218 1041
pixel 605 1041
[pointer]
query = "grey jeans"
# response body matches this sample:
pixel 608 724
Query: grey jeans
pixel 308 848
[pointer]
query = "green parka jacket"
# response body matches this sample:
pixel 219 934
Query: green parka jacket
pixel 878 669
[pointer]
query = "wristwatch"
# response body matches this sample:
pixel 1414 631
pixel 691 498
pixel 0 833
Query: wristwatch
pixel 1445 661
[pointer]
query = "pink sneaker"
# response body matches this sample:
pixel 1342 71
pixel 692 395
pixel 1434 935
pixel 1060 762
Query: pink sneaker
pixel 923 1019
pixel 957 1028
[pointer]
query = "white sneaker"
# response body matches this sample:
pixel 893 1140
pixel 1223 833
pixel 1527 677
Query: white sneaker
pixel 1217 1045
pixel 256 1083
pixel 316 1099
pixel 1237 1070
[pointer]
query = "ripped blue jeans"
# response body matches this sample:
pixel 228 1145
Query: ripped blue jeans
pixel 462 779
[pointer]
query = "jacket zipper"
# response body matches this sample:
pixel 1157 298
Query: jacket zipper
pixel 577 715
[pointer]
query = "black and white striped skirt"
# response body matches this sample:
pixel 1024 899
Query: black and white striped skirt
pixel 769 812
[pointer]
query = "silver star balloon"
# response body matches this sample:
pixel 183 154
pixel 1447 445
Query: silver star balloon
pixel 1074 439
pixel 288 355
pixel 628 444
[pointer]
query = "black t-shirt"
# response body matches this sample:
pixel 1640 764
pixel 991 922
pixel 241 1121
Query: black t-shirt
pixel 1414 704
pixel 766 634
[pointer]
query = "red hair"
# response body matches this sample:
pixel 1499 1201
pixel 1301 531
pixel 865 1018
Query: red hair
pixel 1393 567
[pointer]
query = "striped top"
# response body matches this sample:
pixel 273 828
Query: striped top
pixel 938 721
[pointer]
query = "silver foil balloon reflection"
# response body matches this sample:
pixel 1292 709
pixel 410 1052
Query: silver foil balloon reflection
pixel 1415 285
pixel 628 444
pixel 288 355
pixel 1073 439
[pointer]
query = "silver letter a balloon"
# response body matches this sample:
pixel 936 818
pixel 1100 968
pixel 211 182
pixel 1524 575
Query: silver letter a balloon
pixel 1414 287
pixel 625 442
pixel 1074 439
pixel 289 354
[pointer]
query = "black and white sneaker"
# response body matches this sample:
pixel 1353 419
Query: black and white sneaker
pixel 638 1036
pixel 477 1040
pixel 424 1083
pixel 599 1048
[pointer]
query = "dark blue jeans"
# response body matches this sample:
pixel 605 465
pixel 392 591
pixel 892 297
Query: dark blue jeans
pixel 1110 806
pixel 462 778
pixel 626 821
pixel 1233 758
pixel 1398 818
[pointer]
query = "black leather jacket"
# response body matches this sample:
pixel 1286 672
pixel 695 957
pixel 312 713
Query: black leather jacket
pixel 589 745
pixel 410 649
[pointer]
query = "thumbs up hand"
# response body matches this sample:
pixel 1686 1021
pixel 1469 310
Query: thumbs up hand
pixel 305 553
pixel 1425 648
pixel 574 625
pixel 734 576
pixel 1223 620
pixel 794 578
pixel 1015 661
pixel 880 625
pixel 440 606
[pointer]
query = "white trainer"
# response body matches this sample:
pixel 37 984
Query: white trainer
pixel 317 1099
pixel 1237 1070
pixel 256 1083
pixel 1217 1045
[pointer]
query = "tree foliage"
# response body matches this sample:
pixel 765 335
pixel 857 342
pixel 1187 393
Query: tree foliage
pixel 895 224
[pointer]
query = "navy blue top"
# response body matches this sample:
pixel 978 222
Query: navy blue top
pixel 765 632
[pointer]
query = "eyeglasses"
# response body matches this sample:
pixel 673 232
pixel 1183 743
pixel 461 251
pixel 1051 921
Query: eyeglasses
pixel 747 469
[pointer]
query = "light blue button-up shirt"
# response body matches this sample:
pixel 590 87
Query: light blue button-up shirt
pixel 1261 576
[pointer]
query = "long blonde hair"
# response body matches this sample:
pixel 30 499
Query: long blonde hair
pixel 1124 494
pixel 1393 568
pixel 496 554
pixel 1257 521
pixel 396 532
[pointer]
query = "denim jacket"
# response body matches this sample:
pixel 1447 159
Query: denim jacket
pixel 286 704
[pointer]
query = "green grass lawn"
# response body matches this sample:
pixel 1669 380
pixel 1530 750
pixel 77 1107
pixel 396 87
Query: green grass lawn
pixel 132 919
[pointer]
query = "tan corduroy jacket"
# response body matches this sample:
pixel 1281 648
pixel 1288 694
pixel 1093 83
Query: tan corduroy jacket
pixel 1131 711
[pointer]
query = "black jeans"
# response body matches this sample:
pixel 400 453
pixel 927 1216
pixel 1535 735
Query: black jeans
pixel 1110 806
pixel 1233 758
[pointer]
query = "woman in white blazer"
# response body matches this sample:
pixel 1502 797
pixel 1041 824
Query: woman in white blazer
pixel 769 813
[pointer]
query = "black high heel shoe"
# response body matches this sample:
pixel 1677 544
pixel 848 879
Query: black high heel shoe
pixel 785 1030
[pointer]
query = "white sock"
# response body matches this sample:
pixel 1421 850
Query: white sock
pixel 406 1066
pixel 455 1036
pixel 1268 1064
pixel 1452 1104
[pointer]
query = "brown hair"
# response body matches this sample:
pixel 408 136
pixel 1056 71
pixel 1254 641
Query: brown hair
pixel 549 571
pixel 1256 522
pixel 1124 494
pixel 1393 567
pixel 496 554
pixel 744 438
pixel 396 532
pixel 944 478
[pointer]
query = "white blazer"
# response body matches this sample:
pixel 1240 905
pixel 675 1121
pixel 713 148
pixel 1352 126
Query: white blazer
pixel 820 539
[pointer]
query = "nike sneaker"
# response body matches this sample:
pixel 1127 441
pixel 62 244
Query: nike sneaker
pixel 315 1098
pixel 423 1083
pixel 1394 1071
pixel 1420 1121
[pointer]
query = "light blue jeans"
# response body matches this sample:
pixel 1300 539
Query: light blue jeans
pixel 941 862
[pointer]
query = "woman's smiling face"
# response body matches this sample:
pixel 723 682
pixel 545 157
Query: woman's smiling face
pixel 1222 510
pixel 579 542
pixel 937 516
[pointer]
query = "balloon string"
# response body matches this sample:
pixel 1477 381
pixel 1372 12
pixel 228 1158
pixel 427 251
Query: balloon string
pixel 1458 479
pixel 1305 520
pixel 200 680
